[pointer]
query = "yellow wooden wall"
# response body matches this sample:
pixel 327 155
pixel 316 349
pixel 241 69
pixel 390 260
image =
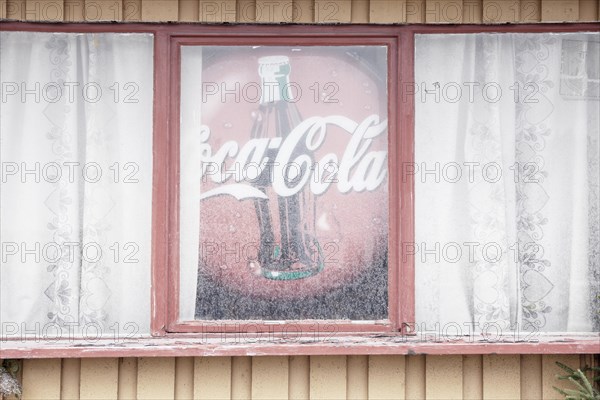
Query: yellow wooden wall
pixel 315 377
pixel 304 11
pixel 299 377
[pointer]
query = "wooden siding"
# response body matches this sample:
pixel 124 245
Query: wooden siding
pixel 299 377
pixel 304 11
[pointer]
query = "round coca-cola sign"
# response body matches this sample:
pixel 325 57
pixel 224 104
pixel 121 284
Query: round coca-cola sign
pixel 290 181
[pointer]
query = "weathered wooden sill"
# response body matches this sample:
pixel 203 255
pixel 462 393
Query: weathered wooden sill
pixel 216 344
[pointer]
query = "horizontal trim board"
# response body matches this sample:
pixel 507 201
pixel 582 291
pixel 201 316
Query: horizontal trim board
pixel 243 345
pixel 292 29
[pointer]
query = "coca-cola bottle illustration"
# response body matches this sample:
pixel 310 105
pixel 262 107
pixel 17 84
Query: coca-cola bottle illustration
pixel 288 248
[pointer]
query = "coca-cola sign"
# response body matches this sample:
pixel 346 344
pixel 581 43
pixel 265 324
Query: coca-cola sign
pixel 284 183
pixel 357 169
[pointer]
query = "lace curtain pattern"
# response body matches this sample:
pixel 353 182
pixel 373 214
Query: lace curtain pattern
pixel 507 182
pixel 76 152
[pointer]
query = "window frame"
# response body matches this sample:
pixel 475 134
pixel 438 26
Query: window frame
pixel 395 285
pixel 396 337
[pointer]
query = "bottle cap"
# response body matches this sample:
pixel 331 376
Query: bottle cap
pixel 274 72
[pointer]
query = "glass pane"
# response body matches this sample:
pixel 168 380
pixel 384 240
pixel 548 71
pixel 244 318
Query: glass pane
pixel 284 190
pixel 76 196
pixel 506 183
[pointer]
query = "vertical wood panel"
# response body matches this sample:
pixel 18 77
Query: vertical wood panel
pixel 560 10
pixel 15 9
pixel 270 11
pixel 415 377
pixel 531 11
pixel 328 377
pixel 99 378
pixel 74 10
pixel 189 10
pixel 501 377
pixel 589 360
pixel 241 378
pixel 386 377
pixel 160 10
pixel 217 11
pixel 501 11
pixel 184 378
pixel 245 11
pixel 104 10
pixel 92 11
pixel 550 370
pixel 332 11
pixel 443 377
pixel 70 378
pixel 531 376
pixel 156 378
pixel 360 11
pixel 41 379
pixel 588 10
pixel 2 9
pixel 472 11
pixel 132 10
pixel 473 377
pixel 304 11
pixel 212 378
pixel 270 378
pixel 53 10
pixel 385 12
pixel 443 11
pixel 357 379
pixel 299 377
pixel 415 11
pixel 127 378
pixel 44 10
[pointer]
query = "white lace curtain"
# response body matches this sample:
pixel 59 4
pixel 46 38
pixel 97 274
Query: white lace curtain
pixel 507 226
pixel 77 114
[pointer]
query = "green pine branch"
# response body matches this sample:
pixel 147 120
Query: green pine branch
pixel 583 388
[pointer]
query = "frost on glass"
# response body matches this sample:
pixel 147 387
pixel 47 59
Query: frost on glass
pixel 284 183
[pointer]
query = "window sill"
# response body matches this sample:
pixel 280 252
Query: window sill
pixel 242 345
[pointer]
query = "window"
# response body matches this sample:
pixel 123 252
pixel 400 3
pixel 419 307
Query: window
pixel 579 77
pixel 76 198
pixel 170 187
pixel 508 172
pixel 286 219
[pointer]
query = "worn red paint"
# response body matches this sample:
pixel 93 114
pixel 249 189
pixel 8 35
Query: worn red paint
pixel 240 345
pixel 395 285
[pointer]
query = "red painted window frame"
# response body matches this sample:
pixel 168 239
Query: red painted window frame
pixel 196 339
pixel 395 267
